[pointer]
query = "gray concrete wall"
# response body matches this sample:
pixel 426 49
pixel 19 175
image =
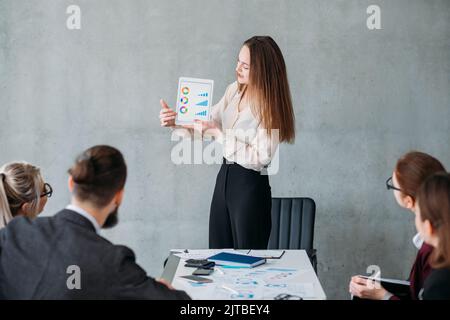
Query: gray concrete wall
pixel 362 98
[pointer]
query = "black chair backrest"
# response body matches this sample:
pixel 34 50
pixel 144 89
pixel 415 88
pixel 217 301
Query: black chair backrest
pixel 292 223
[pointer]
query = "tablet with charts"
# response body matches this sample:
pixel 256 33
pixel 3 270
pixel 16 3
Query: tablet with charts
pixel 194 100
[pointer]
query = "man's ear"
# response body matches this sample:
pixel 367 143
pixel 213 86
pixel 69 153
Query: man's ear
pixel 70 183
pixel 119 197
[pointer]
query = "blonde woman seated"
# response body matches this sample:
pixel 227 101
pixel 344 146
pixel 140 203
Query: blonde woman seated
pixel 22 191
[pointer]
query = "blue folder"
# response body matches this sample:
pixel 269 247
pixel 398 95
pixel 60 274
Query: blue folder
pixel 236 260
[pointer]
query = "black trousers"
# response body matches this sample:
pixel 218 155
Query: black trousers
pixel 240 215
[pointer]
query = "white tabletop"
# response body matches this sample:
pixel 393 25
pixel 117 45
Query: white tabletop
pixel 292 274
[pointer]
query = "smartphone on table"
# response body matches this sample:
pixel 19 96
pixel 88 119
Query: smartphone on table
pixel 202 272
pixel 197 279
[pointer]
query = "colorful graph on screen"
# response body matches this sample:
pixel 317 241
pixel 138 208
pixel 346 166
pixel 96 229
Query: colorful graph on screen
pixel 203 113
pixel 194 100
pixel 183 109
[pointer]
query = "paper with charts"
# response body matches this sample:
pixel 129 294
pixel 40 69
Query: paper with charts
pixel 251 284
pixel 194 100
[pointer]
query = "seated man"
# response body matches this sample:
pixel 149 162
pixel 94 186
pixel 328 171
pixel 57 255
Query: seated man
pixel 64 257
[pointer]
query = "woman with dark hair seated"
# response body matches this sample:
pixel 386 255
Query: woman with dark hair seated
pixel 410 172
pixel 433 224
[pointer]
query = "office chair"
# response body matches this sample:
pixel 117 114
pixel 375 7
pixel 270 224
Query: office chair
pixel 293 225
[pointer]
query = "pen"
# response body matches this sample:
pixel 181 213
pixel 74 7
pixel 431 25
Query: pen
pixel 220 271
pixel 231 290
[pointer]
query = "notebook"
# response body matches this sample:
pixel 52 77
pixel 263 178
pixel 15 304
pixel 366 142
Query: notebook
pixel 236 260
pixel 400 288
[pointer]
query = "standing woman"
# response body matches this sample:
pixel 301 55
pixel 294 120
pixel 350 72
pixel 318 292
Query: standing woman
pixel 22 191
pixel 253 117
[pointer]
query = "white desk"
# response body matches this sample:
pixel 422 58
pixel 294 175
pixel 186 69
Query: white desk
pixel 290 274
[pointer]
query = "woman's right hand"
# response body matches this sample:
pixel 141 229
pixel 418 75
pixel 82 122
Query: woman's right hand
pixel 367 289
pixel 166 115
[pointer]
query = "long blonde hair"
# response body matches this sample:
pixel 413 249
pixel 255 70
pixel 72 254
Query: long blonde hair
pixel 20 183
pixel 268 87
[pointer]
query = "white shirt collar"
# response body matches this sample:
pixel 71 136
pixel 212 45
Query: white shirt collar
pixel 86 215
pixel 417 241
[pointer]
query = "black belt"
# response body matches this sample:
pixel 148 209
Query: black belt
pixel 225 161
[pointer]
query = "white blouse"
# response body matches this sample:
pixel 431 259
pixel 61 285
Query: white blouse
pixel 244 140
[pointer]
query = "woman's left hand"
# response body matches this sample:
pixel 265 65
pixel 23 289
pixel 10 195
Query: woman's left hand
pixel 363 288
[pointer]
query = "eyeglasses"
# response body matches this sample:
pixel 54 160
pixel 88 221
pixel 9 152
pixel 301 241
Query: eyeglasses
pixel 286 296
pixel 390 185
pixel 48 191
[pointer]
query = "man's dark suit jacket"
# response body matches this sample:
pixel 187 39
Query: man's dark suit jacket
pixel 35 256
